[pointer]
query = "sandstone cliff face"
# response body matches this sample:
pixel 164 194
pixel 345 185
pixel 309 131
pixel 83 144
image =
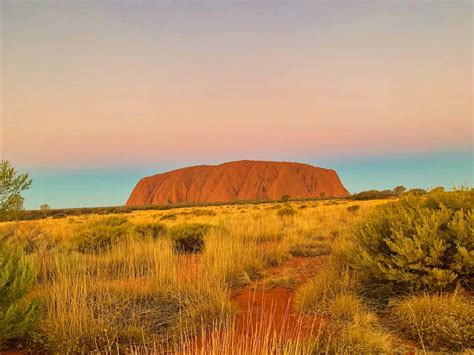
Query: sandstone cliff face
pixel 240 180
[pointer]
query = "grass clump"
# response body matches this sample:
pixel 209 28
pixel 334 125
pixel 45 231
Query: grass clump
pixel 16 315
pixel 353 208
pixel 103 316
pixel 286 211
pixel 153 230
pixel 188 238
pixel 309 249
pixel 439 322
pixel 230 260
pixel 360 338
pixel 101 234
pixel 169 217
pixel 330 282
pixel 345 307
pixel 418 243
pixel 285 281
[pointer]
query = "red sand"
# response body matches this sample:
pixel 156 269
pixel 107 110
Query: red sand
pixel 273 308
pixel 240 180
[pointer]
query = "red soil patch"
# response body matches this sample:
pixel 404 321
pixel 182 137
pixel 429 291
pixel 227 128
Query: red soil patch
pixel 270 311
pixel 273 308
pixel 265 314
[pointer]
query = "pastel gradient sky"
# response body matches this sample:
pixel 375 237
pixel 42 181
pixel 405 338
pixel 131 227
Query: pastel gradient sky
pixel 96 94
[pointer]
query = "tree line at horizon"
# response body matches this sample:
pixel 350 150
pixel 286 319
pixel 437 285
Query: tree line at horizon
pixel 13 184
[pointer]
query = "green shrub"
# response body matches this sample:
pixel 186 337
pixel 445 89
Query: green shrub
pixel 101 234
pixel 153 230
pixel 16 276
pixel 417 192
pixel 418 242
pixel 188 238
pixel 439 322
pixel 373 195
pixel 353 208
pixel 286 211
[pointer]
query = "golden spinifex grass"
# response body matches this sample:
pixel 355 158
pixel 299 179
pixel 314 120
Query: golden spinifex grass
pixel 129 288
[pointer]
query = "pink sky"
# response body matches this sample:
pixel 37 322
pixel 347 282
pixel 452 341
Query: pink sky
pixel 103 85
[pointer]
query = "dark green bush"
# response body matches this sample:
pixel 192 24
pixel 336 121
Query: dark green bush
pixel 373 195
pixel 286 211
pixel 101 234
pixel 16 276
pixel 188 238
pixel 153 230
pixel 418 242
pixel 417 192
pixel 353 208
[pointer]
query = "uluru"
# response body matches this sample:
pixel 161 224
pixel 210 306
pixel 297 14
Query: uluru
pixel 238 180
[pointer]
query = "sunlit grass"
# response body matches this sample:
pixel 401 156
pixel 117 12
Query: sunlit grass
pixel 141 295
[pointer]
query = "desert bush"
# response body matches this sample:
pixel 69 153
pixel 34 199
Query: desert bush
pixel 101 234
pixel 417 192
pixel 418 242
pixel 153 230
pixel 373 195
pixel 16 315
pixel 353 208
pixel 439 322
pixel 188 238
pixel 286 211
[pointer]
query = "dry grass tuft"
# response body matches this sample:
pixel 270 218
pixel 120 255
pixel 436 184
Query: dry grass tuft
pixel 439 322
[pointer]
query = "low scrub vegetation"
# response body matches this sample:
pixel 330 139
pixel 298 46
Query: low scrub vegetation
pixel 286 211
pixel 188 238
pixel 353 208
pixel 153 230
pixel 310 248
pixel 418 243
pixel 100 235
pixel 373 279
pixel 17 315
pixel 440 322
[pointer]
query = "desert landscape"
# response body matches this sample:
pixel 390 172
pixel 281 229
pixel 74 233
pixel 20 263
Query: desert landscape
pixel 291 276
pixel 236 177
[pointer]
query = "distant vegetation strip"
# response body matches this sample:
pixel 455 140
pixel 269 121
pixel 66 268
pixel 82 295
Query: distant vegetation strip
pixel 27 215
